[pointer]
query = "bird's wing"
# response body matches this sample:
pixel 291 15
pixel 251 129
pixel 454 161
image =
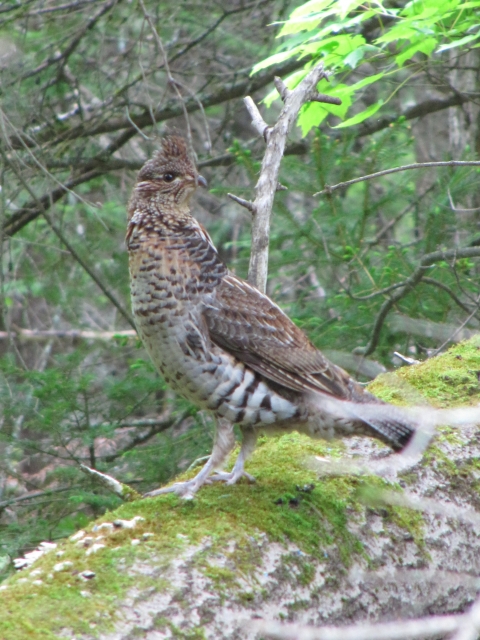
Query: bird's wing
pixel 254 329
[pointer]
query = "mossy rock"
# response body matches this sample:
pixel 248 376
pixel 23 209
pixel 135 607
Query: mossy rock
pixel 292 546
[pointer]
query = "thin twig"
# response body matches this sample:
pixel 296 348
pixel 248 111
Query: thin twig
pixel 171 80
pixel 446 288
pixel 248 204
pixel 457 330
pixel 157 427
pixel 459 209
pixel 67 244
pixel 410 283
pixel 62 56
pixel 417 165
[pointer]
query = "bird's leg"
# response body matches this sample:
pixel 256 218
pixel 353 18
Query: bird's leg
pixel 224 443
pixel 249 440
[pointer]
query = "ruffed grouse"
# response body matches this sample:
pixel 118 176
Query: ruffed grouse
pixel 221 343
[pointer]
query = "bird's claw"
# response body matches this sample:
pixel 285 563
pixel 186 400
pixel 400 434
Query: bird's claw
pixel 231 478
pixel 185 490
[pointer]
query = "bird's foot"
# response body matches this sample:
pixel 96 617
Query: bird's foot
pixel 231 478
pixel 185 490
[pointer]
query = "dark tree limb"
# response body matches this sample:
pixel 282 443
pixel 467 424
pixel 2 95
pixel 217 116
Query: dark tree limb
pixel 417 111
pixel 410 283
pixel 222 93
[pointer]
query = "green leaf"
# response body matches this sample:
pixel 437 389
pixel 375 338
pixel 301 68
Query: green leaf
pixel 458 43
pixel 275 59
pixel 360 117
pixel 363 83
pixel 425 45
pixel 314 6
pixel 311 115
pixel 358 54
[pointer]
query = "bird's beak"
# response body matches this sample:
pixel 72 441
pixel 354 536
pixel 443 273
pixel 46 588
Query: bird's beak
pixel 202 182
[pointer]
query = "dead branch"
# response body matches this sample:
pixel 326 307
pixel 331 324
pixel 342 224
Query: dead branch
pixel 123 491
pixel 275 138
pixel 157 427
pixel 35 335
pixel 397 630
pixel 222 93
pixel 410 283
pixel 458 330
pixel 62 56
pixel 99 164
pixel 248 204
pixel 36 494
pixel 417 165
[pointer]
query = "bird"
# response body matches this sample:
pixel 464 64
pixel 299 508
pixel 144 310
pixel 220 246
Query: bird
pixel 223 344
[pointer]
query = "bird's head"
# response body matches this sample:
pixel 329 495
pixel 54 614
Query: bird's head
pixel 170 175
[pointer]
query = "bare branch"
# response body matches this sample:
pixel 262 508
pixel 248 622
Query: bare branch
pixel 444 287
pixel 63 56
pixel 409 284
pixel 156 428
pixel 36 494
pixel 258 122
pixel 67 244
pixel 406 359
pixel 222 93
pixel 267 182
pixel 397 630
pixel 418 165
pixel 123 491
pixel 457 330
pixel 400 323
pixel 102 163
pixel 71 334
pixel 241 201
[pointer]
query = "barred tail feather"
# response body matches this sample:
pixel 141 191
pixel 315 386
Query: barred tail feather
pixel 389 424
pixel 398 427
pixel 404 429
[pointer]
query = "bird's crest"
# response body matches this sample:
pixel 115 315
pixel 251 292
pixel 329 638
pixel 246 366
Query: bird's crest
pixel 172 157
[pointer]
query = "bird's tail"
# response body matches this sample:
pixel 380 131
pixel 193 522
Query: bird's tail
pixel 409 429
pixel 390 424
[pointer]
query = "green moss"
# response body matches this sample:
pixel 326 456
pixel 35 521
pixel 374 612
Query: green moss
pixel 235 520
pixel 450 379
pixel 371 492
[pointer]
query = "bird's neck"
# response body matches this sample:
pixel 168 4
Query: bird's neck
pixel 162 214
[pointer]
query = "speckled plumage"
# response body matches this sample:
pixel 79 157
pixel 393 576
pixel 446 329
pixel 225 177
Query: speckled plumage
pixel 221 343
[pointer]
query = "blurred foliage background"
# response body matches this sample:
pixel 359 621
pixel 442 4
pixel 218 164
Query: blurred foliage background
pixel 88 87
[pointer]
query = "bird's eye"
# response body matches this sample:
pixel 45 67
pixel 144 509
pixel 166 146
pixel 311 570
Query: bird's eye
pixel 168 177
